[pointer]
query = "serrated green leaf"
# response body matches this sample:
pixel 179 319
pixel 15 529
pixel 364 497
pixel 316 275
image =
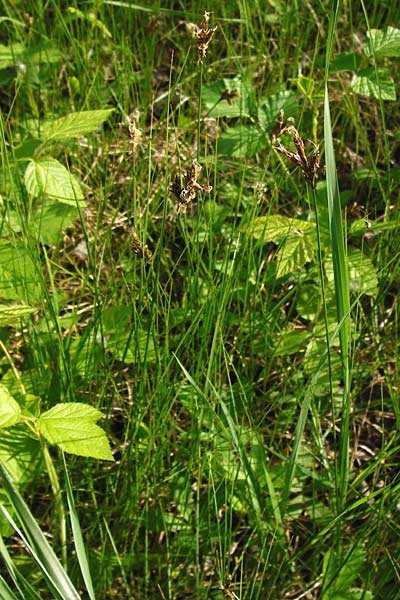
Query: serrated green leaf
pixel 374 83
pixel 10 315
pixel 72 426
pixel 340 576
pixel 277 228
pixel 10 412
pixel 383 42
pixel 74 125
pixel 294 253
pixel 49 177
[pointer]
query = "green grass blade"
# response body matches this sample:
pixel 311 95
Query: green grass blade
pixel 51 568
pixel 78 538
pixel 5 592
pixel 340 269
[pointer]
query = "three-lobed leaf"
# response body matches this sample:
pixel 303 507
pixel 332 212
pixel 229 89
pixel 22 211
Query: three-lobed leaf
pixel 72 426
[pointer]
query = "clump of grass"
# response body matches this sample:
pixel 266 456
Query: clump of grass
pixel 233 475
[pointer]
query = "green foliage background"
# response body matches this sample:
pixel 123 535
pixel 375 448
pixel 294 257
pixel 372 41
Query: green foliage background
pixel 254 434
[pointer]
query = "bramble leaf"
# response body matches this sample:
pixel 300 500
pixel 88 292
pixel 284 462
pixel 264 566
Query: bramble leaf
pixel 10 411
pixel 383 42
pixel 50 177
pixel 374 84
pixel 74 125
pixel 72 426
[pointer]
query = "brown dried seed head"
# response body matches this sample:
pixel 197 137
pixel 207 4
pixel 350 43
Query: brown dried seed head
pixel 204 35
pixel 134 133
pixel 141 249
pixel 187 193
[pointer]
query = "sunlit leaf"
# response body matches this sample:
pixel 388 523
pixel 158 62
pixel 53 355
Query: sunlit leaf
pixel 11 315
pixel 383 42
pixel 10 411
pixel 74 125
pixel 73 427
pixel 277 228
pixel 374 84
pixel 49 177
pixel 294 253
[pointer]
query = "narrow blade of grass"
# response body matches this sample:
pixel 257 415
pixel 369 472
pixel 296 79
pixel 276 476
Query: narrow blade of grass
pixel 78 538
pixel 341 276
pixel 51 568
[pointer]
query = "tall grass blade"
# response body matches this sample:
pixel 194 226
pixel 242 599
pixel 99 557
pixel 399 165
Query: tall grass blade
pixel 51 568
pixel 340 269
pixel 78 538
pixel 5 592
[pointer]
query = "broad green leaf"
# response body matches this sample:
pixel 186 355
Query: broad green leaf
pixel 10 54
pixel 21 453
pixel 72 426
pixel 350 61
pixel 294 253
pixel 18 274
pixel 10 315
pixel 43 53
pixel 227 98
pixel 74 125
pixel 51 219
pixel 271 106
pixel 10 412
pixel 277 228
pixel 49 177
pixel 383 42
pixel 241 141
pixel 291 341
pixel 374 84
